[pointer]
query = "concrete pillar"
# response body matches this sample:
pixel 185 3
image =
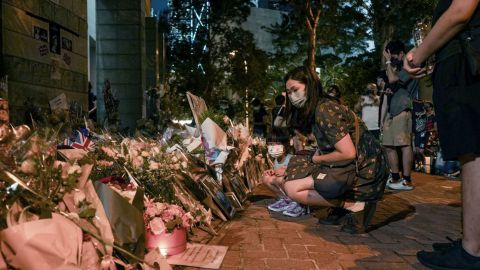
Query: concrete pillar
pixel 152 51
pixel 121 57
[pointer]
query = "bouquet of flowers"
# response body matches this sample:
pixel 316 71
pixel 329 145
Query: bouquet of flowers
pixel 164 217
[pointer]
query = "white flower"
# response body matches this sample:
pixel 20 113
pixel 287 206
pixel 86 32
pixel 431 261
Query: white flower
pixel 28 166
pixel 153 166
pixel 145 154
pixel 74 169
pixel 157 226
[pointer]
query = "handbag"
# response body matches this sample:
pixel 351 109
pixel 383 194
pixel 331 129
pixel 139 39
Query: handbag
pixel 468 40
pixel 279 121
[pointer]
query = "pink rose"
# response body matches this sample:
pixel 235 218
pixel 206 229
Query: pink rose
pixel 151 211
pixel 28 166
pixel 187 220
pixel 157 226
pixel 110 152
pixel 104 163
pixel 137 162
pixel 167 215
pixel 177 211
pixel 160 206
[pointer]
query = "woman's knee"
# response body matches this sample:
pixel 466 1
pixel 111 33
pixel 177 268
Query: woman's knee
pixel 290 189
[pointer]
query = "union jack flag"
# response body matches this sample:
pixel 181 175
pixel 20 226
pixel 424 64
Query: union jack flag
pixel 81 141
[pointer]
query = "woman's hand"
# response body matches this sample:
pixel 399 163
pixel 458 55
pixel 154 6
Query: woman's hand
pixel 268 173
pixel 280 171
pixel 316 157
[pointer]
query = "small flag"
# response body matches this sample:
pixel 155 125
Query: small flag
pixel 82 141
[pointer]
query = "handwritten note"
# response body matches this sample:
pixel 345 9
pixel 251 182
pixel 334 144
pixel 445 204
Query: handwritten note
pixel 198 255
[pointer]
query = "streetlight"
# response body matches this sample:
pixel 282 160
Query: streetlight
pixel 233 54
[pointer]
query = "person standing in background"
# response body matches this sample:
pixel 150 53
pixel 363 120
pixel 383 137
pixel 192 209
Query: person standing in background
pixel 456 99
pixel 368 106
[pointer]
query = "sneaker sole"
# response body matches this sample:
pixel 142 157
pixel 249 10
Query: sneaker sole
pixel 400 189
pixel 277 210
pixel 289 215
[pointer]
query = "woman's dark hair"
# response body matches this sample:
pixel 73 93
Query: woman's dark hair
pixel 302 118
pixel 280 100
pixel 278 137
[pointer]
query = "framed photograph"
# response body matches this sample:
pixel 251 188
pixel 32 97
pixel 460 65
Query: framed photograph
pixel 215 190
pixel 251 174
pixel 239 188
pixel 54 38
pixel 66 44
pixel 234 201
pixel 40 33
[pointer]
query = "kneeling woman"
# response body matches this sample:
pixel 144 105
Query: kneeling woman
pixel 346 176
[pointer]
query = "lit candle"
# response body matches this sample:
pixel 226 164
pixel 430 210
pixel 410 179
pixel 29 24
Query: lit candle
pixel 163 259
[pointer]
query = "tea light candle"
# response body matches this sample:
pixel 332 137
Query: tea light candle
pixel 163 260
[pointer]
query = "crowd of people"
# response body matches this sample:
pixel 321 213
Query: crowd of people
pixel 325 155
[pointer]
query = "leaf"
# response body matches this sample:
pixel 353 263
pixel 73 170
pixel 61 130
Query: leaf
pixel 87 213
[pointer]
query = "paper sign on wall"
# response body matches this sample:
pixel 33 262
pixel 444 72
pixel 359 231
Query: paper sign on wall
pixel 40 33
pixel 59 103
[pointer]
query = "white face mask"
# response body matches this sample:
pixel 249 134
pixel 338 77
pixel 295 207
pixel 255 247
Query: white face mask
pixel 298 98
pixel 275 151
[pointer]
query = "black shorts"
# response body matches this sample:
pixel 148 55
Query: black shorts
pixel 457 107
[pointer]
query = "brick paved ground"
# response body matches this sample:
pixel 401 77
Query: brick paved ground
pixel 405 222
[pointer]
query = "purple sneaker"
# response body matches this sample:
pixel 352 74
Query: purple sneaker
pixel 295 210
pixel 280 205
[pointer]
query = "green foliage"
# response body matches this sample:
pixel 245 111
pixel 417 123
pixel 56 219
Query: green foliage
pixel 219 71
pixel 342 28
pixel 391 20
pixel 216 117
pixel 158 185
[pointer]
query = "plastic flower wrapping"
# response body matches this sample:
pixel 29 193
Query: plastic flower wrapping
pixel 87 198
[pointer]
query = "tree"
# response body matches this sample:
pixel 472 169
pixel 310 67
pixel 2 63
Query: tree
pixel 312 15
pixel 203 65
pixel 341 29
pixel 394 20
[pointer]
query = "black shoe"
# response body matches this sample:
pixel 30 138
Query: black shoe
pixel 335 216
pixel 445 246
pixel 359 222
pixel 452 258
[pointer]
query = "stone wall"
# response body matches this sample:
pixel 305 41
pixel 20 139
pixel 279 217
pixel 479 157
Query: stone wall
pixel 35 71
pixel 121 57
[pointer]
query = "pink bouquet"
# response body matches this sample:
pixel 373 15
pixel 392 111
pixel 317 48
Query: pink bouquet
pixel 164 217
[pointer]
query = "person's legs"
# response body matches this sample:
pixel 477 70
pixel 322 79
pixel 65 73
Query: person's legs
pixel 302 191
pixel 464 253
pixel 392 158
pixel 270 182
pixel 471 201
pixel 407 159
